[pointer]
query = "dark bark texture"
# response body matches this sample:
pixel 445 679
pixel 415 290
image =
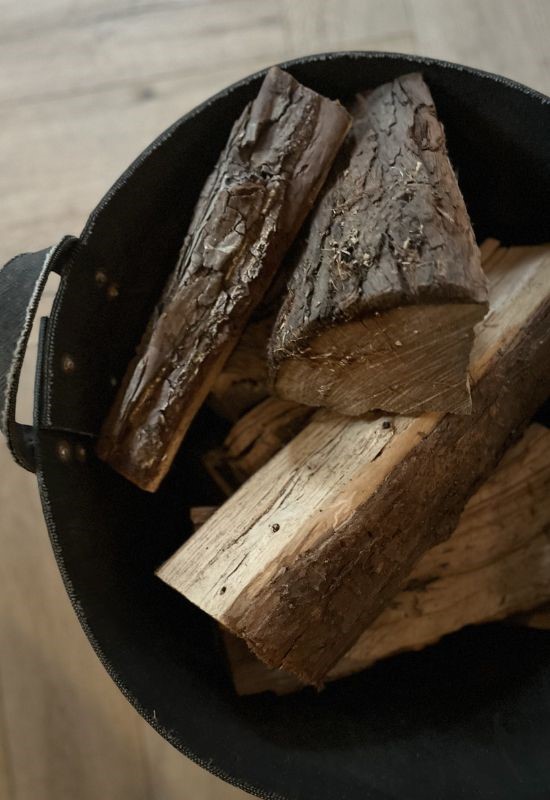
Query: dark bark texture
pixel 391 230
pixel 264 184
pixel 320 602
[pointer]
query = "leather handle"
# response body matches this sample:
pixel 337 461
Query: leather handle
pixel 22 282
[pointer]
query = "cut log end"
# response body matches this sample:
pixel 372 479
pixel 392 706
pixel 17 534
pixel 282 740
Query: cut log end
pixel 391 231
pixel 407 360
pixel 314 545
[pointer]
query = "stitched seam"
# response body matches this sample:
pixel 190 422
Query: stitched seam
pixel 12 379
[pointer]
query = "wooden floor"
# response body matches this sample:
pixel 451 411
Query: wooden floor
pixel 84 86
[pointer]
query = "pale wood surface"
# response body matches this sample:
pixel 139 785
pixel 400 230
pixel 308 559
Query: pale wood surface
pixel 496 563
pixel 270 579
pixel 381 269
pixel 84 86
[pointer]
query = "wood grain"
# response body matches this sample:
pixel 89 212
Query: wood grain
pixel 387 286
pixel 496 563
pixel 292 579
pixel 130 44
pixel 59 154
pixel 253 440
pixel 249 211
pixel 243 381
pixel 69 728
pixel 508 37
pixel 313 26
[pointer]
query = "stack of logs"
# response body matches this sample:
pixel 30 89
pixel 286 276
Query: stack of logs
pixel 384 486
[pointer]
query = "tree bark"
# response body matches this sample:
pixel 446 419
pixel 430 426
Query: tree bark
pixel 495 564
pixel 252 206
pixel 387 289
pixel 243 381
pixel 253 440
pixel 309 551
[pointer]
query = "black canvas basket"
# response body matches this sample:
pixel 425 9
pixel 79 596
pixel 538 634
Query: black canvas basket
pixel 467 718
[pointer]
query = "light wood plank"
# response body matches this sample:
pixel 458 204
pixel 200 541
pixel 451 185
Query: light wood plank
pixel 64 717
pixel 20 20
pixel 60 156
pixel 314 26
pixel 57 157
pixel 148 42
pixel 505 36
pixel 7 788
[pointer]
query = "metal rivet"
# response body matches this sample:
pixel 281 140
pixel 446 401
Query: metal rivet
pixel 80 452
pixel 112 291
pixel 100 278
pixel 64 451
pixel 68 363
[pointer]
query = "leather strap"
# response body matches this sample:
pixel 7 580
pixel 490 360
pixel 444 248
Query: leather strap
pixel 22 282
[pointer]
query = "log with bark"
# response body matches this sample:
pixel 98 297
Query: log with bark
pixel 496 563
pixel 253 440
pixel 388 287
pixel 265 182
pixel 311 548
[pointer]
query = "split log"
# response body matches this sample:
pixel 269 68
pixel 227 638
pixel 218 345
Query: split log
pixel 199 515
pixel 265 182
pixel 496 563
pixel 310 550
pixel 537 618
pixel 253 440
pixel 243 382
pixel 385 294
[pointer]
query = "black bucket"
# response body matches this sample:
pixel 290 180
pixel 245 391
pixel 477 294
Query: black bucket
pixel 467 718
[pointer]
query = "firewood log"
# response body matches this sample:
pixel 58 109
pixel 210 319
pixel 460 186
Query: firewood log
pixel 311 549
pixel 385 294
pixel 243 382
pixel 265 182
pixel 537 618
pixel 496 563
pixel 253 440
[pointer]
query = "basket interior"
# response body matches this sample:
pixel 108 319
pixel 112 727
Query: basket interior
pixel 467 717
